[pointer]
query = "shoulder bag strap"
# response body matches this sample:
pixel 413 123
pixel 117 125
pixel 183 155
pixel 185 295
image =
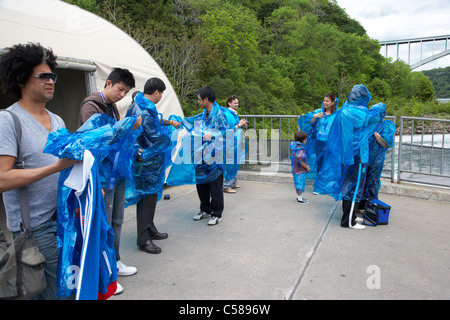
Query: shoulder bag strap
pixel 23 192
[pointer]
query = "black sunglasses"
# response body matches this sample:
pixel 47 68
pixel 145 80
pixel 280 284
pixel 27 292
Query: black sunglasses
pixel 46 76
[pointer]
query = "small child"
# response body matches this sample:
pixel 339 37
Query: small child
pixel 299 164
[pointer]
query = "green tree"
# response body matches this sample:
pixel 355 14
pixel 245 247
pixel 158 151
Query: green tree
pixel 279 56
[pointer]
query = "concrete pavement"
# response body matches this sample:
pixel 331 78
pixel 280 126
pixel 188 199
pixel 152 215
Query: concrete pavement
pixel 268 247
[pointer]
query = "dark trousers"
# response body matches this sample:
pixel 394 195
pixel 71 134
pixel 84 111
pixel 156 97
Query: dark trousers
pixel 346 207
pixel 211 197
pixel 145 213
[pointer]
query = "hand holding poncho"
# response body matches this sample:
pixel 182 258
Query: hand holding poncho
pixel 196 160
pixel 154 142
pixel 110 142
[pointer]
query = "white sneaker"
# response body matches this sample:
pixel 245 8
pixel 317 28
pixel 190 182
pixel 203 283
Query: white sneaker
pixel 359 220
pixel 124 270
pixel 358 227
pixel 303 201
pixel 201 215
pixel 315 193
pixel 214 220
pixel 119 289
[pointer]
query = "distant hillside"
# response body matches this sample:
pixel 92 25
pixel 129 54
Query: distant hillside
pixel 441 81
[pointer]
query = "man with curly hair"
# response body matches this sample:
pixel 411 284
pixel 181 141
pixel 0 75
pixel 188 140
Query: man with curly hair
pixel 28 72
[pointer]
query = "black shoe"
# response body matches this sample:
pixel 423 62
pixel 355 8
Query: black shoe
pixel 158 236
pixel 150 247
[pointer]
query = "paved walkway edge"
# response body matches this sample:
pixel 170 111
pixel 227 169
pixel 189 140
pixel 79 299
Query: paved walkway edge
pixel 405 189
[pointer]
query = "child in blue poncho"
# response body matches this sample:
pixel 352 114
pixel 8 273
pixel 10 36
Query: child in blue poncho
pixel 299 164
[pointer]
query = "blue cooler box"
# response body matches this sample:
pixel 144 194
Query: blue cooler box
pixel 376 212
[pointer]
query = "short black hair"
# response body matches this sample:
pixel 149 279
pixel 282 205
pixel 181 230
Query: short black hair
pixel 18 62
pixel 300 136
pixel 207 92
pixel 154 84
pixel 121 75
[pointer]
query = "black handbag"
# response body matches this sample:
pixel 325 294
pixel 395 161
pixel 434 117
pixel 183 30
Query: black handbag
pixel 21 263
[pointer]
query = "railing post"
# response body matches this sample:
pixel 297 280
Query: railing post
pixel 393 156
pixel 400 150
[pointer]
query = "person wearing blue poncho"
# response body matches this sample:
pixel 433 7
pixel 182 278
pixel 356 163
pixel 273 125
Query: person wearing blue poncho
pixel 379 143
pixel 299 164
pixel 233 103
pixel 200 155
pixel 146 187
pixel 210 193
pixel 317 125
pixel 344 169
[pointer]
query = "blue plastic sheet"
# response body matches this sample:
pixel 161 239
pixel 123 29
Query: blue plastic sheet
pixel 346 156
pixel 235 151
pixel 110 142
pixel 376 159
pixel 298 154
pixel 68 237
pixel 154 142
pixel 82 226
pixel 195 160
pixel 317 137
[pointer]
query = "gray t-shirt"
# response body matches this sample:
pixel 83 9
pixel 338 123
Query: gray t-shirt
pixel 43 193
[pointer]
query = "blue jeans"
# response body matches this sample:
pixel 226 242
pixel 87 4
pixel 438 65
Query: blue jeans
pixel 115 207
pixel 229 183
pixel 45 237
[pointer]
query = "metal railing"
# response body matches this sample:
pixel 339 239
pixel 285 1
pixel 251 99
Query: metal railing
pixel 422 157
pixel 269 138
pixel 424 151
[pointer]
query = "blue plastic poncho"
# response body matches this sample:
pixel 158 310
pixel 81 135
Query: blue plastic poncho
pixel 376 159
pixel 235 151
pixel 317 133
pixel 154 142
pixel 110 142
pixel 198 161
pixel 85 240
pixel 344 167
pixel 298 155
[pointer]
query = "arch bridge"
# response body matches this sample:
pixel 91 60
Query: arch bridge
pixel 419 51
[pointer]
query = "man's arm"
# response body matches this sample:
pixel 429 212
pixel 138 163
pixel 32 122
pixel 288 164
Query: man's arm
pixel 380 140
pixel 11 178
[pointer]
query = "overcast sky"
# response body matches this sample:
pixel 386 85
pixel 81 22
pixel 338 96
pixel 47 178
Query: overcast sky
pixel 404 19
